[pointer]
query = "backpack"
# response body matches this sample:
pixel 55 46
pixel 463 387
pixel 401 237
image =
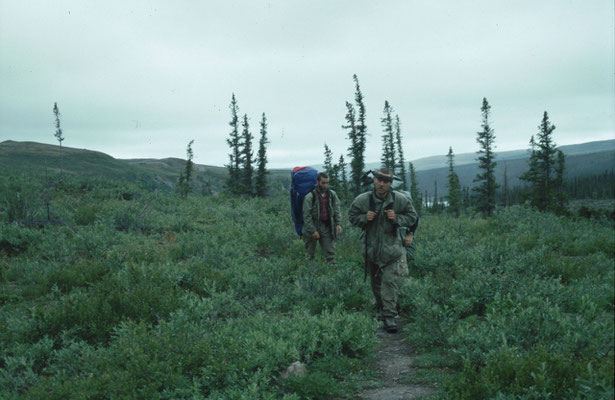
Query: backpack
pixel 302 182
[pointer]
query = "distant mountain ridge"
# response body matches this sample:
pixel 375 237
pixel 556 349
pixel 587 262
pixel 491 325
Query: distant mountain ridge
pixel 581 159
pixel 440 161
pixel 577 165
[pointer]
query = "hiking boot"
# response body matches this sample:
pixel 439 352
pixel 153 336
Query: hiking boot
pixel 390 325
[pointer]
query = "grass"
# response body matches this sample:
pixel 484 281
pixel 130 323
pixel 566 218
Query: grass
pixel 136 293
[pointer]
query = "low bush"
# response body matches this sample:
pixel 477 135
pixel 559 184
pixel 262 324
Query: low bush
pixel 143 295
pixel 525 309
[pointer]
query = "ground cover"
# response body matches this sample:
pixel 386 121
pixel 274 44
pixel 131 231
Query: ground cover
pixel 128 293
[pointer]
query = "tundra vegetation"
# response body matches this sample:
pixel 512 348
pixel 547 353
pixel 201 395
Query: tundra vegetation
pixel 124 292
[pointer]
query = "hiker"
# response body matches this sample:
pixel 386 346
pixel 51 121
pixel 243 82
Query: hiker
pixel 380 213
pixel 321 219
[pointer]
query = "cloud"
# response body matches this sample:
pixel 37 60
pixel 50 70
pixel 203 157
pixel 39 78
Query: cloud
pixel 145 77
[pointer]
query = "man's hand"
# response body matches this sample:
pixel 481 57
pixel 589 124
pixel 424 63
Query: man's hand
pixel 371 215
pixel 338 229
pixel 390 215
pixel 315 235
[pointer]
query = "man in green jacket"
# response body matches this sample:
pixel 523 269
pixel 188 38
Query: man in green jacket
pixel 321 219
pixel 380 213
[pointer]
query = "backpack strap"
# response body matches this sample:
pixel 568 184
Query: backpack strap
pixel 392 204
pixel 372 201
pixel 415 225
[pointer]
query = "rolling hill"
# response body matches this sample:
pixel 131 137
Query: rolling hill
pixel 577 165
pixel 154 173
pixel 581 160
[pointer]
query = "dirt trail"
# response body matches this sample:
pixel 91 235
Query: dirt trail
pixel 395 362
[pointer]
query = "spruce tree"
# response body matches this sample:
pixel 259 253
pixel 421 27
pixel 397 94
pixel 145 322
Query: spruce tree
pixel 545 169
pixel 358 156
pixel 356 170
pixel 560 194
pixel 330 168
pixel 388 158
pixel 328 164
pixel 261 173
pixel 454 187
pixel 342 187
pixel 401 161
pixel 532 175
pixel 247 170
pixel 486 189
pixel 414 189
pixel 58 136
pixel 356 132
pixel 233 141
pixel 184 185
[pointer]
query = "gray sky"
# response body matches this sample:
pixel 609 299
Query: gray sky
pixel 140 79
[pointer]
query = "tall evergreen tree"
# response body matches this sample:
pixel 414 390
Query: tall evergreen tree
pixel 58 135
pixel 486 188
pixel 247 157
pixel 532 175
pixel 342 188
pixel 184 185
pixel 328 164
pixel 261 173
pixel 414 189
pixel 233 167
pixel 388 158
pixel 356 132
pixel 401 161
pixel 545 169
pixel 454 187
pixel 331 169
pixel 356 168
pixel 358 157
pixel 560 195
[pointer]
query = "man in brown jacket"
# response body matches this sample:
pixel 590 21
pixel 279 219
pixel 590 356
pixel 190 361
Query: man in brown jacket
pixel 321 219
pixel 380 213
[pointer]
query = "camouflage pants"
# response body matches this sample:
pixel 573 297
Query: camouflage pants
pixel 386 282
pixel 326 243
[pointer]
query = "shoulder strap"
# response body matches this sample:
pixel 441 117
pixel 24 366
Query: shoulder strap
pixel 390 206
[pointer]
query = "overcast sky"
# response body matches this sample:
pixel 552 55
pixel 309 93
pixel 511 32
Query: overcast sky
pixel 140 79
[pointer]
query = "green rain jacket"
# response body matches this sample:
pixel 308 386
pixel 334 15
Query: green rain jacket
pixel 311 212
pixel 384 244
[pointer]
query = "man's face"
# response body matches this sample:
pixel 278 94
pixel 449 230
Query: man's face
pixel 323 184
pixel 382 184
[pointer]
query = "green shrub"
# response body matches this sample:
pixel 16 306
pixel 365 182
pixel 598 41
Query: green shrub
pixel 15 240
pixel 147 296
pixel 86 214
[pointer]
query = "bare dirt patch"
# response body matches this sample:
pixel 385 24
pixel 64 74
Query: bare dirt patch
pixel 395 363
